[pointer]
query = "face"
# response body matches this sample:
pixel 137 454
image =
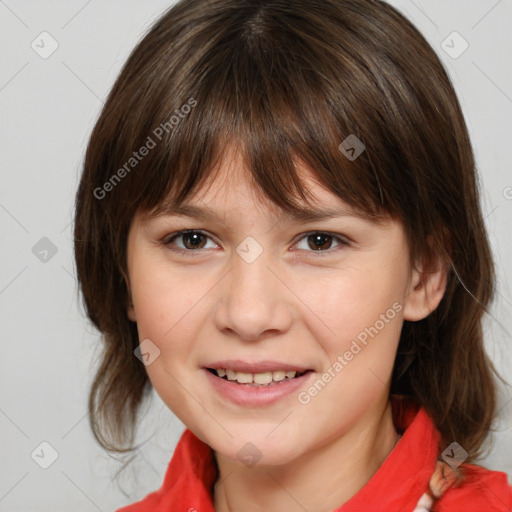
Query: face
pixel 256 292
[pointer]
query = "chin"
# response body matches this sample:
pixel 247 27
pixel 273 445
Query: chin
pixel 257 450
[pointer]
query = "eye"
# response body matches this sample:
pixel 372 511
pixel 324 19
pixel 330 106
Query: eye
pixel 193 240
pixel 319 241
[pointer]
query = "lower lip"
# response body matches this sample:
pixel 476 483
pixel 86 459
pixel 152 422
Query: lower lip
pixel 243 394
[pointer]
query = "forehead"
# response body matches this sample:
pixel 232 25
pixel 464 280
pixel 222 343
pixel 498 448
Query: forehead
pixel 231 188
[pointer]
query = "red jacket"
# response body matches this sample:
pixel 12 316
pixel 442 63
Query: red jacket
pixel 397 486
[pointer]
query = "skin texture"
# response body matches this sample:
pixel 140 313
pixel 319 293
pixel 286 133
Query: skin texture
pixel 293 304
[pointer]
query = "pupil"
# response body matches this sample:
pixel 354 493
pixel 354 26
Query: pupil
pixel 319 241
pixel 196 237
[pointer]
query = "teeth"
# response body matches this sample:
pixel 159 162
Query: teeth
pixel 256 378
pixel 244 378
pixel 262 378
pixel 278 375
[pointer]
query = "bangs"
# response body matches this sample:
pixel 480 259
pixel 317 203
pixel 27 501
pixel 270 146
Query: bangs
pixel 275 99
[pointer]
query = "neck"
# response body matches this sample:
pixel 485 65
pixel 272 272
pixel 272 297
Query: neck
pixel 335 471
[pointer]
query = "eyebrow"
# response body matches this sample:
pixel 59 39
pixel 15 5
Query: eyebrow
pixel 204 213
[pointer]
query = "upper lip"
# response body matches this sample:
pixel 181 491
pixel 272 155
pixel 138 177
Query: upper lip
pixel 256 367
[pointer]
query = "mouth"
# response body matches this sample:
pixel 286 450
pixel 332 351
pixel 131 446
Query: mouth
pixel 261 379
pixel 256 384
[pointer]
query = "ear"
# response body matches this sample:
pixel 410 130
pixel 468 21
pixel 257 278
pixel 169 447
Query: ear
pixel 426 289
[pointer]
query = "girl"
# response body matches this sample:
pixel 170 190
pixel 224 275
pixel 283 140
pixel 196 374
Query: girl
pixel 278 229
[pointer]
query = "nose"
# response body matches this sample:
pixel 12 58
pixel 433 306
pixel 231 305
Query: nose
pixel 254 301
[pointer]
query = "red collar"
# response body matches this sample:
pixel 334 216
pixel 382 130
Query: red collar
pixel 397 485
pixel 191 474
pixel 405 473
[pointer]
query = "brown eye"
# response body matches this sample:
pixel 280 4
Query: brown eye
pixel 193 240
pixel 190 241
pixel 319 241
pixel 322 242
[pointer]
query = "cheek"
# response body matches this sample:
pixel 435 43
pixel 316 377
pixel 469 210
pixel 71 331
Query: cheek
pixel 356 303
pixel 165 305
pixel 167 315
pixel 363 310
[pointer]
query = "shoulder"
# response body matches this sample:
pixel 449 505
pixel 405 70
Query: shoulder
pixel 190 475
pixel 481 490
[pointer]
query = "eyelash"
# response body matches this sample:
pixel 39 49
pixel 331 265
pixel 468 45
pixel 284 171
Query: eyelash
pixel 167 242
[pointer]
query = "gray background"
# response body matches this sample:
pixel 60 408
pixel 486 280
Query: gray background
pixel 48 108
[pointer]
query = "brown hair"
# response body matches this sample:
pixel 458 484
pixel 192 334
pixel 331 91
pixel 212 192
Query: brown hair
pixel 288 80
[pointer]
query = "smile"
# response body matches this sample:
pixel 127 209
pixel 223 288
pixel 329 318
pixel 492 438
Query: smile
pixel 256 389
pixel 268 378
